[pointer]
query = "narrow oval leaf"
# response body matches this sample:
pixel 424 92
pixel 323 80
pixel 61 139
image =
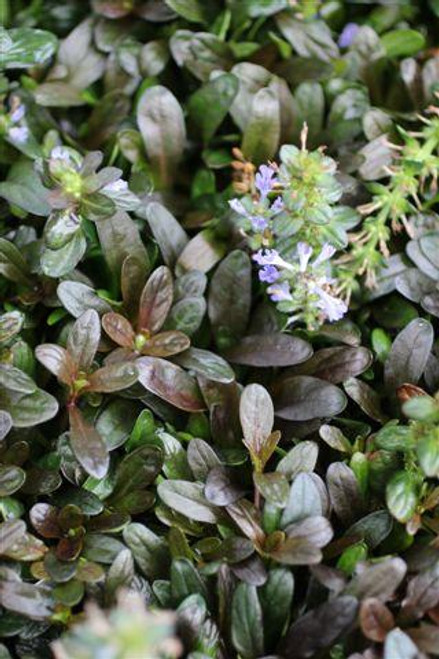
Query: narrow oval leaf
pixel 301 398
pixel 119 329
pixel 170 382
pixel 112 378
pixel 88 446
pixel 83 340
pixel 161 123
pixel 269 350
pixel 409 354
pixel 156 300
pixel 188 499
pixel 256 414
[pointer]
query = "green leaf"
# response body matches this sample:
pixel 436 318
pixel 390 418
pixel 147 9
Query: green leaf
pixel 319 628
pixel 23 47
pixel 194 11
pixel 209 105
pixel 402 43
pixel 167 231
pixel 276 597
pixel 230 295
pixel 274 488
pixel 186 581
pixel 427 450
pixel 398 644
pixel 206 363
pixel 188 499
pixel 78 298
pixel 24 189
pixel 247 622
pixel 300 459
pixel 261 135
pixel 11 479
pixel 12 264
pixel 150 551
pixel 60 262
pixel 120 238
pixel 161 122
pixel 304 500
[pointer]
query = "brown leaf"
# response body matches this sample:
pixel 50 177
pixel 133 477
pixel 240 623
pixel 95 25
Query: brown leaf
pixel 57 360
pixel 375 619
pixel 407 391
pixel 113 377
pixel 83 340
pixel 171 383
pixel 166 344
pixel 44 519
pixel 88 446
pixel 119 329
pixel 156 300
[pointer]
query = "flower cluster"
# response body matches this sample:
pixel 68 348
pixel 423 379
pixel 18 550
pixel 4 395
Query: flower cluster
pixel 290 214
pixel 13 125
pixel 301 287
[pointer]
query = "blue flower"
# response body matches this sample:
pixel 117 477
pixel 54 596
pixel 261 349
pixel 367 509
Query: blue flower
pixel 269 274
pixel 19 134
pixel 333 308
pixel 277 206
pixel 348 34
pixel 237 206
pixel 280 292
pixel 18 114
pixel 264 180
pixel 327 252
pixel 258 222
pixel 304 252
pixel 266 257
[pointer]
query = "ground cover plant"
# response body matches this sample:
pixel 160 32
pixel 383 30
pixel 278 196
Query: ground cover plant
pixel 219 353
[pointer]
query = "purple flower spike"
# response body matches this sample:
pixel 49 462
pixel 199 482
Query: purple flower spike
pixel 269 274
pixel 280 292
pixel 348 34
pixel 264 180
pixel 304 251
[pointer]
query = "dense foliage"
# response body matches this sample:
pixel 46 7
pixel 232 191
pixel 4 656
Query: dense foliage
pixel 219 358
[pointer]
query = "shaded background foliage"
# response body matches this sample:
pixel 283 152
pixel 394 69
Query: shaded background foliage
pixel 164 444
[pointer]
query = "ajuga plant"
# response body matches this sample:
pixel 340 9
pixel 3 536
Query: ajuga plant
pixel 219 362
